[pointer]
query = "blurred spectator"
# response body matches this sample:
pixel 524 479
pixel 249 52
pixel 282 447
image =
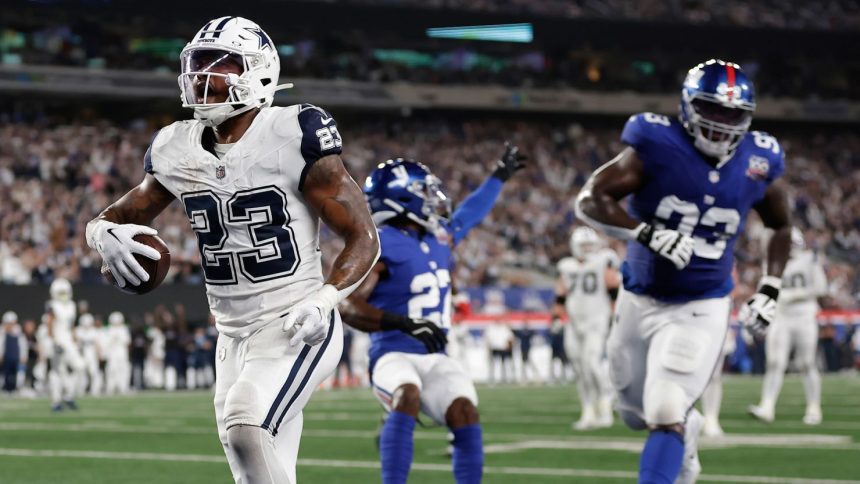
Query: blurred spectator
pixel 13 351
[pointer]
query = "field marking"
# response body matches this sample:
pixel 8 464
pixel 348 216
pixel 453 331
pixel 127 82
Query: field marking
pixel 355 464
pixel 523 441
pixel 828 442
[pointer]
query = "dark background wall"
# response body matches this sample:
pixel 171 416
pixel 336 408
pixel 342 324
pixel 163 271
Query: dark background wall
pixel 29 301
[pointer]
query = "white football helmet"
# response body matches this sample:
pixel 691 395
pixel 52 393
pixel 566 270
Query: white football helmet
pixel 584 241
pixel 61 290
pixel 798 243
pixel 224 41
pixel 10 317
pixel 116 319
pixel 86 320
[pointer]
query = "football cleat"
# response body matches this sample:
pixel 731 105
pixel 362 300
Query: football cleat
pixel 812 415
pixel 760 413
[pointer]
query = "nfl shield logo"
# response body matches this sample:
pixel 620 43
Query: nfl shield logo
pixel 219 172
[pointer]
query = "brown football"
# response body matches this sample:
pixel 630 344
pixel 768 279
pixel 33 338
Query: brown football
pixel 157 269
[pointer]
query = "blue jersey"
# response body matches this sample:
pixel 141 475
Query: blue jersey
pixel 416 283
pixel 417 280
pixel 683 191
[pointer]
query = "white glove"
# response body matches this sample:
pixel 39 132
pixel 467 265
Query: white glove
pixel 760 311
pixel 670 244
pixel 312 317
pixel 115 243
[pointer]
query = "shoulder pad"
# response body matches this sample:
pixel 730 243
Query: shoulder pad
pixel 643 129
pixel 767 147
pixel 320 136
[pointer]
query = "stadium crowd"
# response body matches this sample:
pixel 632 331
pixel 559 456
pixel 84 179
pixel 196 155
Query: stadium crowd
pixel 825 15
pixel 53 178
pixel 368 55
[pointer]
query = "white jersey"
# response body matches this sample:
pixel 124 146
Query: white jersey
pixel 64 320
pixel 584 283
pixel 803 282
pixel 258 237
pixel 117 339
pixel 87 338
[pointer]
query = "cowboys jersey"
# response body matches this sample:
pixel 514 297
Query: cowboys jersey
pixel 258 237
pixel 585 284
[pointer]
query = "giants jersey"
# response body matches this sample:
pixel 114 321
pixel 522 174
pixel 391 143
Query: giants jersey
pixel 585 284
pixel 416 283
pixel 803 281
pixel 258 238
pixel 682 191
pixel 64 319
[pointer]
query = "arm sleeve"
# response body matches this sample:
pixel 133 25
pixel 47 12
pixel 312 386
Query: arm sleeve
pixel 474 208
pixel 147 157
pixel 320 137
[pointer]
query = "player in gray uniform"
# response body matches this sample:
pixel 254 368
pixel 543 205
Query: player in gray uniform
pixel 254 180
pixel 585 282
pixel 795 329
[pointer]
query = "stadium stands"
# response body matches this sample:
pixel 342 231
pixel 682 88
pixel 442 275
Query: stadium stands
pixel 58 177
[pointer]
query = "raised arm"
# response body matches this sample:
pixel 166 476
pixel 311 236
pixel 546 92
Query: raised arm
pixel 112 232
pixel 479 203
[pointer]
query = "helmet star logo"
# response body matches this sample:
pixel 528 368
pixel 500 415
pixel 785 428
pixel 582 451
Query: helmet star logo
pixel 263 38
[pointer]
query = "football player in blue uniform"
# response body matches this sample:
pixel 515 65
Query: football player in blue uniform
pixel 405 303
pixel 691 182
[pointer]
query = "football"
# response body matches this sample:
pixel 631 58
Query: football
pixel 157 269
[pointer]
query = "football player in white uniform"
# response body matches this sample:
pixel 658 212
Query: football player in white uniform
pixel 118 367
pixel 87 337
pixel 254 181
pixel 795 329
pixel 584 287
pixel 65 365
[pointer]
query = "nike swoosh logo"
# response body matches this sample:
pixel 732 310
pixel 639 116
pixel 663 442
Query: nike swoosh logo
pixel 110 231
pixel 699 315
pixel 326 121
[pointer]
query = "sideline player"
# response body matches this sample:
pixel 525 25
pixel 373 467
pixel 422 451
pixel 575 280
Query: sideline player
pixel 584 290
pixel 254 181
pixel 405 303
pixel 87 336
pixel 64 363
pixel 691 183
pixel 795 329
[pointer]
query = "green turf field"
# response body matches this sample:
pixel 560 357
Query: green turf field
pixel 170 438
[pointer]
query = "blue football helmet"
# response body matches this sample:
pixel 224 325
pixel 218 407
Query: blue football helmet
pixel 401 187
pixel 717 104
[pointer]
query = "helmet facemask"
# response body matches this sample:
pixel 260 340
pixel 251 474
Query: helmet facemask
pixel 203 69
pixel 717 128
pixel 436 206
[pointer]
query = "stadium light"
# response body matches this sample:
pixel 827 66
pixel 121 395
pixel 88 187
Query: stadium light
pixel 523 33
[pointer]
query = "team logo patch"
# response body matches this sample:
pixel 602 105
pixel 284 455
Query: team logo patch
pixel 220 172
pixel 758 168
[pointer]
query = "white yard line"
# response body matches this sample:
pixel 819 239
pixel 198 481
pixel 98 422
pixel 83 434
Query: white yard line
pixel 353 464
